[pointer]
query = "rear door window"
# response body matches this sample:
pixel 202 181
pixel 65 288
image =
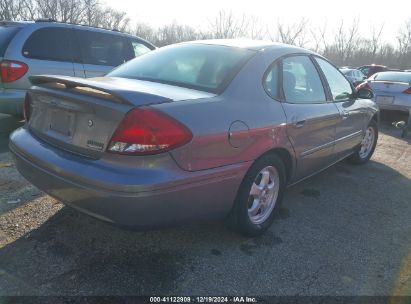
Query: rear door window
pixel 270 81
pixel 102 49
pixel 49 44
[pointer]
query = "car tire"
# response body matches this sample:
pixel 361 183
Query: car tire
pixel 262 187
pixel 366 149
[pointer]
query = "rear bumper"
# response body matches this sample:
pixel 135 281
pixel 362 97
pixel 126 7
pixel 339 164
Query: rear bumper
pixel 11 101
pixel 399 104
pixel 152 197
pixel 395 107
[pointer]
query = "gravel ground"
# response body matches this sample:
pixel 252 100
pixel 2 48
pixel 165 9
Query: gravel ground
pixel 346 231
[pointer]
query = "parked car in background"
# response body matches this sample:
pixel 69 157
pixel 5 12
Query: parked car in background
pixel 369 70
pixel 353 75
pixel 392 90
pixel 46 47
pixel 154 141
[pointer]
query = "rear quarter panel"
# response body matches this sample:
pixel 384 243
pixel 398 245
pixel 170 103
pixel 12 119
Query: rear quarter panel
pixel 371 110
pixel 257 123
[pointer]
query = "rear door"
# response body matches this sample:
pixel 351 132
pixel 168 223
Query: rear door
pixel 349 131
pixel 311 120
pixel 49 50
pixel 101 52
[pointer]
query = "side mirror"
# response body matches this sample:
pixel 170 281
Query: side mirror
pixel 364 77
pixel 365 94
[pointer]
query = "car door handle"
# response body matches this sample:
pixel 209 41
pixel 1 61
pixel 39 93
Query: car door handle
pixel 299 124
pixel 345 114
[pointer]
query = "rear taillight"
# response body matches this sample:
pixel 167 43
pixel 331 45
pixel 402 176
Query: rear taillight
pixel 26 107
pixel 407 91
pixel 12 70
pixel 363 85
pixel 148 131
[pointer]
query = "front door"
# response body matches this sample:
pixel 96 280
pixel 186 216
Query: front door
pixel 349 130
pixel 311 119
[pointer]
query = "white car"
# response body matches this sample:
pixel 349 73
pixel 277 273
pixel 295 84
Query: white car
pixel 392 90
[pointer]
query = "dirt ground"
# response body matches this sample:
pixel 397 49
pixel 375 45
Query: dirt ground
pixel 346 231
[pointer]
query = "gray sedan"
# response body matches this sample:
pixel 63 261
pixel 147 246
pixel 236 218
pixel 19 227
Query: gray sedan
pixel 199 130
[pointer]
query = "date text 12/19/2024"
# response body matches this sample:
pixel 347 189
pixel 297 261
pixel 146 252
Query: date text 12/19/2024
pixel 207 299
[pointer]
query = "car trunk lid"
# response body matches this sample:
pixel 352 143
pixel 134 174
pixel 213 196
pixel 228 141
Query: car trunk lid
pixel 80 115
pixel 388 87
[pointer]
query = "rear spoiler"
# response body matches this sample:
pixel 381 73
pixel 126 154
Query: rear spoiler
pixel 389 81
pixel 68 82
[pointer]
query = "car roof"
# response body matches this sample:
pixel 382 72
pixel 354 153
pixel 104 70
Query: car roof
pixel 49 22
pixel 245 43
pixel 43 22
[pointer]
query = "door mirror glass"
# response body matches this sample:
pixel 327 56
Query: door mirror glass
pixel 364 93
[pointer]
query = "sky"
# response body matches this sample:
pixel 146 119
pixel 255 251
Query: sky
pixel 199 13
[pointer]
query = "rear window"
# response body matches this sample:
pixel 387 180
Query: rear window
pixel 396 77
pixel 6 34
pixel 203 67
pixel 49 44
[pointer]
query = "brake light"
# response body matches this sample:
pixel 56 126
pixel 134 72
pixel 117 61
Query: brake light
pixel 148 131
pixel 26 108
pixel 407 91
pixel 12 70
pixel 363 85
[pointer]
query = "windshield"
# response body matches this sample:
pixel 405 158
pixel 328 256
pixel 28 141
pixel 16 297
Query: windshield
pixel 203 67
pixel 6 34
pixel 393 76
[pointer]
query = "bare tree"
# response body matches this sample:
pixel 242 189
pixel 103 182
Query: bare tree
pixel 144 31
pixel 92 12
pixel 319 39
pixel 227 25
pixel 404 38
pixel 375 42
pixel 16 9
pixel 404 44
pixel 114 19
pixel 254 29
pixel 346 41
pixel 294 33
pixel 173 33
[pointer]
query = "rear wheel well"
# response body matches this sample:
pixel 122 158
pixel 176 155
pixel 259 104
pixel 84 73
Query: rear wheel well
pixel 376 118
pixel 285 156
